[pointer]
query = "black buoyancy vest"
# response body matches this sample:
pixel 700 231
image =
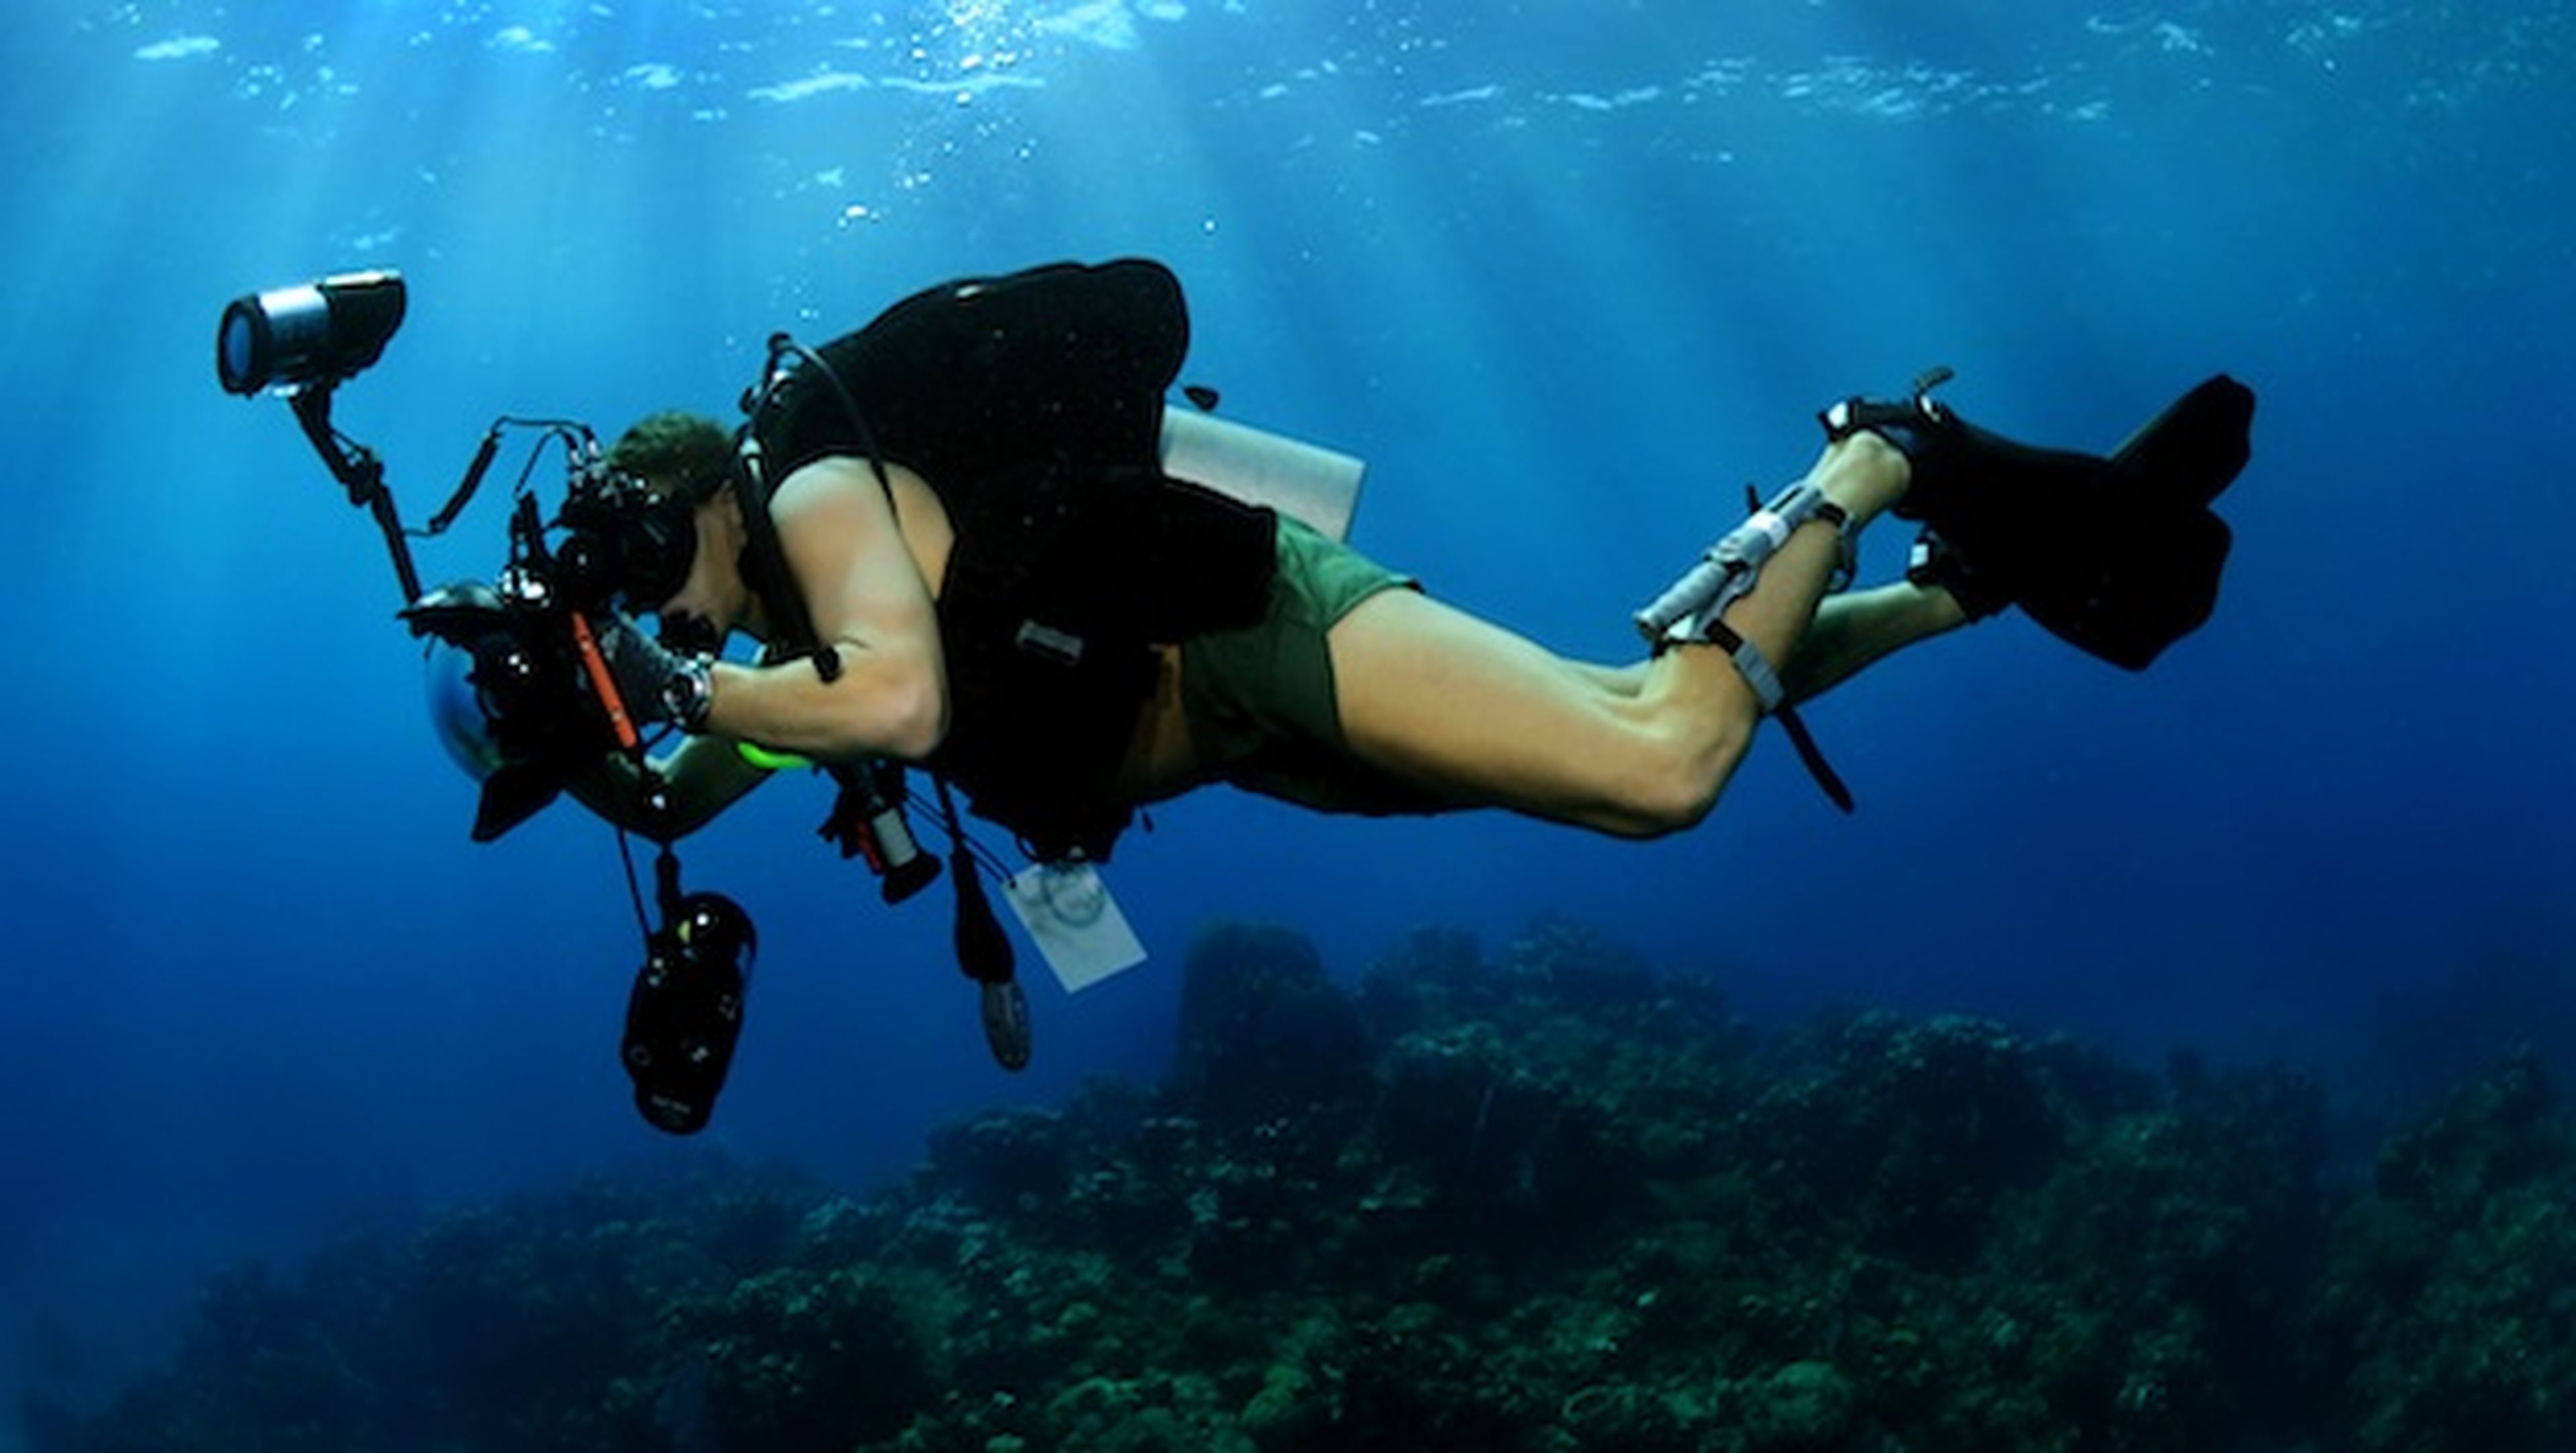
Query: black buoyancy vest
pixel 1032 405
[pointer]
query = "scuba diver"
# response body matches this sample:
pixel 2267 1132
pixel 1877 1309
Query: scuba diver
pixel 1022 602
pixel 971 539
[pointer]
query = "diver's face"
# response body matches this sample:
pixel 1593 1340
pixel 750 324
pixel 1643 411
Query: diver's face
pixel 714 602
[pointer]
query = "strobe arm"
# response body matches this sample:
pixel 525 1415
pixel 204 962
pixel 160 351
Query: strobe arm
pixel 363 475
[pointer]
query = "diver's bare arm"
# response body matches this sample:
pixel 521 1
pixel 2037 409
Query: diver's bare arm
pixel 1857 628
pixel 703 777
pixel 871 606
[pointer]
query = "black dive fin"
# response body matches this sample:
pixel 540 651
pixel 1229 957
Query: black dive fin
pixel 2142 575
pixel 2118 557
pixel 2196 448
pixel 2137 555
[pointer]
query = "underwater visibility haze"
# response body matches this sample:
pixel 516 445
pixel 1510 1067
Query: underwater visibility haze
pixel 2209 998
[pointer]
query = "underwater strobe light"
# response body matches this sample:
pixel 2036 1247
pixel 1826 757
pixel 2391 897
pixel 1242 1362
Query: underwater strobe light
pixel 314 334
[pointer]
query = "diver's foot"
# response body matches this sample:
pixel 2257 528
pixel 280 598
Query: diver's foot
pixel 1959 475
pixel 1993 509
pixel 1914 427
pixel 2119 556
pixel 1865 474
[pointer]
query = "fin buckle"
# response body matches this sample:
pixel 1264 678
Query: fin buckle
pixel 1919 409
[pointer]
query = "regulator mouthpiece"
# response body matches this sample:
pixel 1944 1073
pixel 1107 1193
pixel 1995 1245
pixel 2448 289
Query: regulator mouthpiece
pixel 313 335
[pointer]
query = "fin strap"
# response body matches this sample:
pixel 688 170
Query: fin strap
pixel 1852 416
pixel 1935 564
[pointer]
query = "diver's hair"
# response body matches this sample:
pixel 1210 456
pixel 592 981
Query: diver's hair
pixel 676 451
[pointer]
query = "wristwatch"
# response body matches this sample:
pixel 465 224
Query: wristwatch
pixel 688 693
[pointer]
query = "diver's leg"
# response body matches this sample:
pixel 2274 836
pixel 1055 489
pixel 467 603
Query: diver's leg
pixel 1851 630
pixel 1625 680
pixel 1477 714
pixel 1861 627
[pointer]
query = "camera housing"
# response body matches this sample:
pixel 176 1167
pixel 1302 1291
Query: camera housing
pixel 521 689
pixel 541 721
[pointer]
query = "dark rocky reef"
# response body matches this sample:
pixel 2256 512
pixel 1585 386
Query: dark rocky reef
pixel 1545 1201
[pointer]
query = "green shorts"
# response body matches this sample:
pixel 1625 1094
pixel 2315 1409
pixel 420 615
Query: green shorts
pixel 1260 703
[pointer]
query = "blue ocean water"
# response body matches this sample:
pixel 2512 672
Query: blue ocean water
pixel 1567 274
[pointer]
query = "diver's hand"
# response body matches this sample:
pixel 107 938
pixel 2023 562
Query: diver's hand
pixel 659 684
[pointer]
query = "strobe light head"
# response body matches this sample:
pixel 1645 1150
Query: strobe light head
pixel 313 334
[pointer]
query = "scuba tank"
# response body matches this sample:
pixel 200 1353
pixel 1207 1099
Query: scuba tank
pixel 1316 486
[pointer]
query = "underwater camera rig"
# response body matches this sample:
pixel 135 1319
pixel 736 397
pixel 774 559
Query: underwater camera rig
pixel 527 703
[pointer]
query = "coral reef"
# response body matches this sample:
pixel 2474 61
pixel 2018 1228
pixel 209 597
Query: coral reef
pixel 2448 1315
pixel 1548 1200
